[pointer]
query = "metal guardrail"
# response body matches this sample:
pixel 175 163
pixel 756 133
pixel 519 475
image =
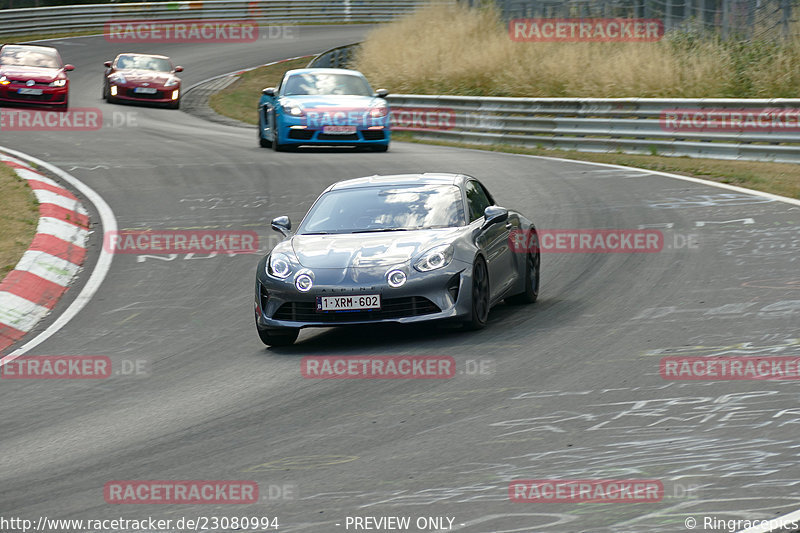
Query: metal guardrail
pixel 339 57
pixel 96 16
pixel 767 129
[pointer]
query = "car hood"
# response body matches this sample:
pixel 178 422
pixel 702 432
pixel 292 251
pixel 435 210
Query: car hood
pixel 150 76
pixel 37 74
pixel 365 250
pixel 331 102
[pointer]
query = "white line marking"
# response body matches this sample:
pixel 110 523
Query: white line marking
pixel 109 223
pixel 776 197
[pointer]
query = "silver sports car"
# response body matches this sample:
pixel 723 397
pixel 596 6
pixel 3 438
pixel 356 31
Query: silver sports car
pixel 404 248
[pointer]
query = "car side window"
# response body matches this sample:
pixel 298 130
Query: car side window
pixel 477 200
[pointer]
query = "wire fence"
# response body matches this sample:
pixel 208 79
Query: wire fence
pixel 730 19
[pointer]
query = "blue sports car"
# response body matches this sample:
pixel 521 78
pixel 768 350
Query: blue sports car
pixel 323 106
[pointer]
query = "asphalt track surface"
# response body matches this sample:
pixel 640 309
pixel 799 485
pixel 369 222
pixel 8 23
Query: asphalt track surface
pixel 570 389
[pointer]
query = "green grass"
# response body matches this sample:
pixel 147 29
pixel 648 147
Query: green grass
pixel 240 99
pixel 19 216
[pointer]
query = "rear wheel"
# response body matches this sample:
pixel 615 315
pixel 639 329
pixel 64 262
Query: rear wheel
pixel 278 337
pixel 480 295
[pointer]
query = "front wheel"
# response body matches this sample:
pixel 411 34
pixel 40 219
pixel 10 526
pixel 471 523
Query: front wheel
pixel 278 337
pixel 380 147
pixel 479 314
pixel 531 292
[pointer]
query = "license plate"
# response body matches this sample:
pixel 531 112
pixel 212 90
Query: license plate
pixel 145 90
pixel 339 130
pixel 356 302
pixel 26 90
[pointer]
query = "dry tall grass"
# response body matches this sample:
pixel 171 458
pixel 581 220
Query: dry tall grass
pixel 451 49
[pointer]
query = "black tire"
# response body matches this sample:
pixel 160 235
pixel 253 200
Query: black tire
pixel 278 147
pixel 262 142
pixel 176 105
pixel 479 314
pixel 531 293
pixel 105 91
pixel 380 148
pixel 275 337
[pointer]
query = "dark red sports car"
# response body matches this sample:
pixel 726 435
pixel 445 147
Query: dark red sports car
pixel 32 74
pixel 142 78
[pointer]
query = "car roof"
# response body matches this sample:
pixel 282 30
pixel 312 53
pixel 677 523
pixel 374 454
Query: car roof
pixel 427 178
pixel 45 47
pixel 323 71
pixel 142 55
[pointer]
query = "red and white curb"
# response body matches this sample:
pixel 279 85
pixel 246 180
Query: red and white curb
pixel 30 291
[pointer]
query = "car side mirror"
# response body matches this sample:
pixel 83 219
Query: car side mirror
pixel 269 91
pixel 69 67
pixel 494 215
pixel 178 69
pixel 107 64
pixel 381 93
pixel 282 224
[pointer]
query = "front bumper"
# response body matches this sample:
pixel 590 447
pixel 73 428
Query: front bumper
pixel 49 96
pixel 437 295
pixel 163 95
pixel 299 130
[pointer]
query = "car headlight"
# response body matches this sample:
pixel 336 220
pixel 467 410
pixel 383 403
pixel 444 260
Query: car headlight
pixel 58 83
pixel 396 278
pixel 4 80
pixel 172 82
pixel 304 280
pixel 378 111
pixel 279 266
pixel 117 78
pixel 437 257
pixel 293 110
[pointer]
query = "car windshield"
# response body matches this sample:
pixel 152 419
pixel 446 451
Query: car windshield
pixel 389 208
pixel 22 56
pixel 309 83
pixel 157 64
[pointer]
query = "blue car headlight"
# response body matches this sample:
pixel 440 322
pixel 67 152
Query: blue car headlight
pixel 437 257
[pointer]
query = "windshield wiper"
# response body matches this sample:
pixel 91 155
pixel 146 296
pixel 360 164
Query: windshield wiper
pixel 379 230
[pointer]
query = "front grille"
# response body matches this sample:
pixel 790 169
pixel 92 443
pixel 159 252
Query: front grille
pixel 331 137
pixel 158 95
pixel 372 135
pixel 390 308
pixel 30 97
pixel 301 135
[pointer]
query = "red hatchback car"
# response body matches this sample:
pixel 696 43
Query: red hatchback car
pixel 32 74
pixel 142 78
